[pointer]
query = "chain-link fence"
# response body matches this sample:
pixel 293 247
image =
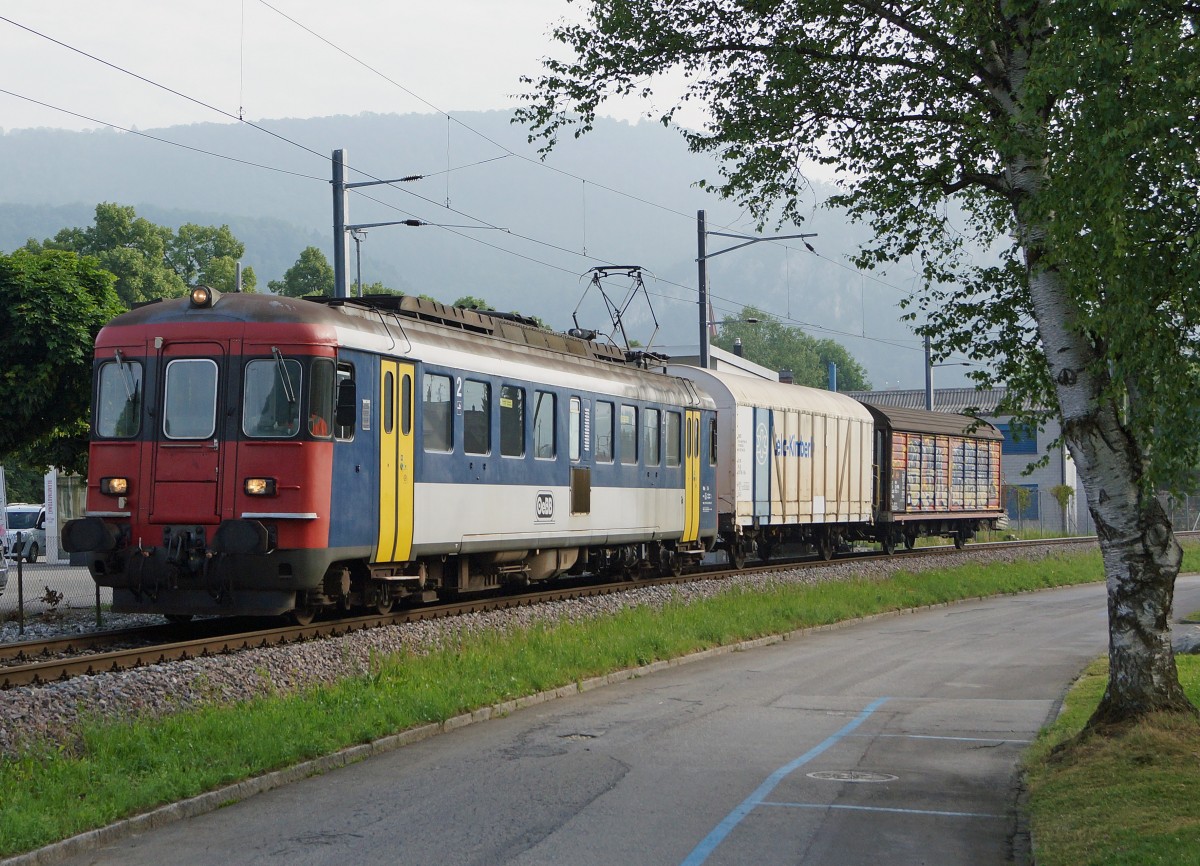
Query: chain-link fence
pixel 49 596
pixel 1034 513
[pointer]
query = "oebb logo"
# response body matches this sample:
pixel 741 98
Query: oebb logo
pixel 544 505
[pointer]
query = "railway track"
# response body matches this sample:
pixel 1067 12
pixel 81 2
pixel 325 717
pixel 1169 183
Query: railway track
pixel 50 660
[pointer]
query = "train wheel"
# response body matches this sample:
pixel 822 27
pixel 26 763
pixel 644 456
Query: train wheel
pixel 910 540
pixel 888 542
pixel 737 555
pixel 304 615
pixel 960 541
pixel 384 605
pixel 825 546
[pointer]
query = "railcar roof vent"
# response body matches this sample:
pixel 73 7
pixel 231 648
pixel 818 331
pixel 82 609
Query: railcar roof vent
pixel 511 327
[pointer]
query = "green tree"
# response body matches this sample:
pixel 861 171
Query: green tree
pixel 152 261
pixel 470 302
pixel 310 275
pixel 208 255
pixel 55 302
pixel 128 246
pixel 1063 134
pixel 777 346
pixel 23 483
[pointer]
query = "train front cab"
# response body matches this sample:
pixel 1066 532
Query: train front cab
pixel 210 485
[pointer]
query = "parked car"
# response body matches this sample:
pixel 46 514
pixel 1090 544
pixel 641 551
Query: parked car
pixel 25 537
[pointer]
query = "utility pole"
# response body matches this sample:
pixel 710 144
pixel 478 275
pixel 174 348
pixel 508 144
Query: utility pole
pixel 342 230
pixel 340 240
pixel 703 255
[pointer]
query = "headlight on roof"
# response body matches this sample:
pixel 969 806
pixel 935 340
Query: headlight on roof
pixel 204 296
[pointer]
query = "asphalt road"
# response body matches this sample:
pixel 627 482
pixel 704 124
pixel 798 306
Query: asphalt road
pixel 891 741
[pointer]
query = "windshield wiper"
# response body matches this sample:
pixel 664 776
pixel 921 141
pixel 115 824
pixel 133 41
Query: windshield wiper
pixel 288 390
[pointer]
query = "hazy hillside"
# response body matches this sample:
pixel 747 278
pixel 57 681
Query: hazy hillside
pixel 516 232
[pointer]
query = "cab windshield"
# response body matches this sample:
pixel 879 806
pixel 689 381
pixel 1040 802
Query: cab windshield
pixel 119 407
pixel 270 408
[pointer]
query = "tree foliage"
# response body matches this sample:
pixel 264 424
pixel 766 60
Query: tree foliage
pixel 1065 133
pixel 152 261
pixel 208 255
pixel 55 303
pixel 310 275
pixel 777 346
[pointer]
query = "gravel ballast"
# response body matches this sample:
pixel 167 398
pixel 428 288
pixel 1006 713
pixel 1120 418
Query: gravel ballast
pixel 52 713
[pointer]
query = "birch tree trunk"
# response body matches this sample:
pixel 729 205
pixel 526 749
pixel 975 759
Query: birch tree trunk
pixel 1141 556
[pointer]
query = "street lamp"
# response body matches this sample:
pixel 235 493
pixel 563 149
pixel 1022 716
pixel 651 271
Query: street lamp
pixel 703 255
pixel 358 235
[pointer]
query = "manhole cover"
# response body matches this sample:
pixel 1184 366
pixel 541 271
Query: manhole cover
pixel 851 776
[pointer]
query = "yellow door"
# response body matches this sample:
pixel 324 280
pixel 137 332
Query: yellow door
pixel 395 462
pixel 691 479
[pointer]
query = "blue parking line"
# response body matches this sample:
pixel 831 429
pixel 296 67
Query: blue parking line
pixel 702 851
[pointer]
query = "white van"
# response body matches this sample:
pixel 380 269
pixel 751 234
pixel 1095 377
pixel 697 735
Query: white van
pixel 25 537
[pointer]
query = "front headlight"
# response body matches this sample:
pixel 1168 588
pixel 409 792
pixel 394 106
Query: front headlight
pixel 114 486
pixel 259 487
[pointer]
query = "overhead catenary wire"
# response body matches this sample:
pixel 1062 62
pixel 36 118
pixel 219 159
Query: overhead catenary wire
pixel 482 223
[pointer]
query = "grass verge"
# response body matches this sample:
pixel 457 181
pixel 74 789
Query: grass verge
pixel 1129 799
pixel 118 769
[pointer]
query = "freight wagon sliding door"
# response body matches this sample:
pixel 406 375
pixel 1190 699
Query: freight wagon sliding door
pixel 395 462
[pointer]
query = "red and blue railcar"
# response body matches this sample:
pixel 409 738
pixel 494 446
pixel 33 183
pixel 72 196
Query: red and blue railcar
pixel 255 454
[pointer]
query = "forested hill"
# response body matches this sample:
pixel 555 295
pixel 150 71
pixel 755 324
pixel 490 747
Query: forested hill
pixel 517 233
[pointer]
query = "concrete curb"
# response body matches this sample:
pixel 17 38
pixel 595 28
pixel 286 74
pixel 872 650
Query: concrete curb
pixel 238 791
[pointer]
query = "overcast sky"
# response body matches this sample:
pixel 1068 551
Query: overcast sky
pixel 455 55
pixel 248 57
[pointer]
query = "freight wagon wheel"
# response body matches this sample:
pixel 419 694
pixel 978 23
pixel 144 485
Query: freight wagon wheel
pixel 737 554
pixel 910 540
pixel 304 615
pixel 825 546
pixel 888 542
pixel 960 541
pixel 384 605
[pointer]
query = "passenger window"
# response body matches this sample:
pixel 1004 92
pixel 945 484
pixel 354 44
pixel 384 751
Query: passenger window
pixel 512 421
pixel 650 436
pixel 435 411
pixel 119 407
pixel 712 442
pixel 477 417
pixel 347 402
pixel 543 425
pixel 671 438
pixel 604 432
pixel 575 429
pixel 629 434
pixel 190 410
pixel 321 397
